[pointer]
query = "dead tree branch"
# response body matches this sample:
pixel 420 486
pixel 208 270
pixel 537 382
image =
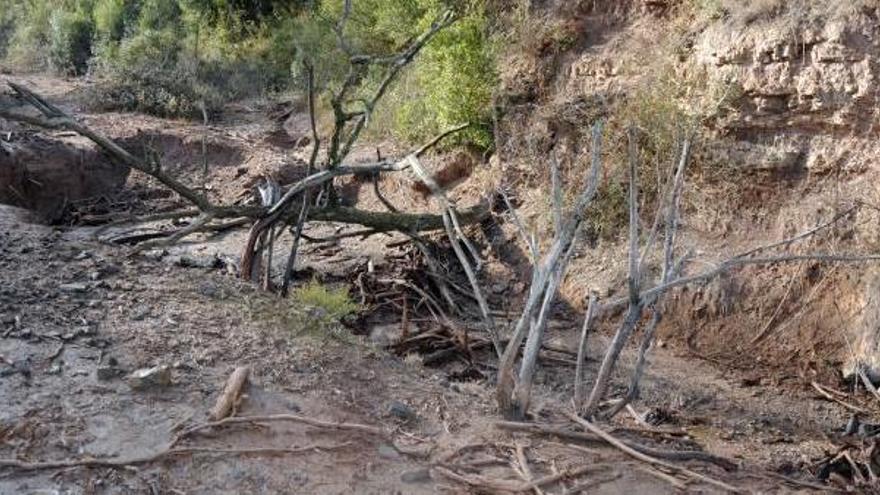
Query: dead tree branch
pixel 313 158
pixel 456 239
pixel 294 418
pixel 564 433
pixel 231 392
pixel 746 258
pixel 582 353
pixel 117 463
pixel 634 311
pixel 669 271
pixel 649 459
pixel 545 275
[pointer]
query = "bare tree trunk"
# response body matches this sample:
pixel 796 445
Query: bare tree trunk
pixel 582 354
pixel 634 313
pixel 542 277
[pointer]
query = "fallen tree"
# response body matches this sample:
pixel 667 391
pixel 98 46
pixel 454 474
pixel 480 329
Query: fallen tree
pixel 295 205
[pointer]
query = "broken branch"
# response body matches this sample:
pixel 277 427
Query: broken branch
pixel 231 392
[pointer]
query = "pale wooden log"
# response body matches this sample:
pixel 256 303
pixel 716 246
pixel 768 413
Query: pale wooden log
pixel 231 392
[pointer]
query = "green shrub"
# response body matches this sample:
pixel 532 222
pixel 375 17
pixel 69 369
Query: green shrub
pixel 27 44
pixel 174 59
pixel 449 83
pixel 457 75
pixel 169 57
pixel 114 19
pixel 144 73
pixel 335 303
pixel 9 17
pixel 70 42
pixel 159 15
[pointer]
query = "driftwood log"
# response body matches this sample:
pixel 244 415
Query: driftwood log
pixel 231 393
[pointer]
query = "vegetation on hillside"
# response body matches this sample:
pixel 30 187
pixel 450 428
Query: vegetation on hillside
pixel 183 57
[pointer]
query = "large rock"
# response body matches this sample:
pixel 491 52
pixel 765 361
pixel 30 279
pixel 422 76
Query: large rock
pixel 802 85
pixel 44 175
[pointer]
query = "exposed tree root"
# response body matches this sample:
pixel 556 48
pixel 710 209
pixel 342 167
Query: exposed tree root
pixel 42 466
pixel 639 455
pixel 672 455
pixel 172 449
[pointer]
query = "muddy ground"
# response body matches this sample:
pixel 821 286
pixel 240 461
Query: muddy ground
pixel 78 315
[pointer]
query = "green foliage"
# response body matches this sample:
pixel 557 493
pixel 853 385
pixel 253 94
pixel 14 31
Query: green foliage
pixel 157 15
pixel 170 57
pixel 711 9
pixel 171 61
pixel 31 36
pixel 113 18
pixel 40 34
pixel 70 41
pixel 334 303
pixel 450 83
pixel 9 12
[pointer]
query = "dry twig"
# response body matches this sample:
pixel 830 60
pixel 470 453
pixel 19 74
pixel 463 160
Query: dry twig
pixel 828 395
pixel 670 455
pixel 623 447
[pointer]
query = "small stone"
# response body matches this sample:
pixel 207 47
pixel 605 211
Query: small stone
pixel 187 261
pixel 83 255
pixel 157 376
pixel 97 342
pixel 316 313
pixel 140 312
pixel 107 372
pixel 209 289
pixel 94 276
pixel 110 269
pixel 20 366
pixel 388 452
pixel 385 335
pixel 402 411
pixel 500 287
pixel 75 288
pixel 417 476
pixel 55 369
pixel 155 254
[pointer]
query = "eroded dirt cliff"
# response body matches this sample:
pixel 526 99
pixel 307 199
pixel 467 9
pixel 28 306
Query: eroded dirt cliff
pixel 783 99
